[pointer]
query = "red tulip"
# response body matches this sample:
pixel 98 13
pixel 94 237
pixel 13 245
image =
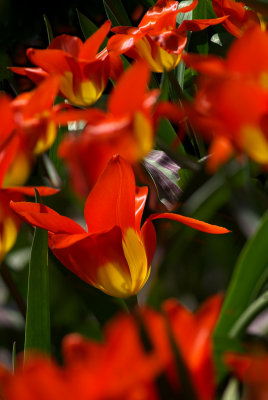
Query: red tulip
pixel 157 40
pixel 83 71
pixel 115 253
pixel 239 17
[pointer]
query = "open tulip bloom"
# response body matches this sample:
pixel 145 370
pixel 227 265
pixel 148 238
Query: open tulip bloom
pixel 115 253
pixel 157 39
pixel 83 71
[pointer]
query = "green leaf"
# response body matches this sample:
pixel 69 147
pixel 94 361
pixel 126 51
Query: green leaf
pixel 250 273
pixel 49 29
pixel 87 26
pixel 200 12
pixel 37 329
pixel 116 12
pixel 249 315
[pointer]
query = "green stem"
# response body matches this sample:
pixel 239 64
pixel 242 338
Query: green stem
pixel 249 315
pixel 132 303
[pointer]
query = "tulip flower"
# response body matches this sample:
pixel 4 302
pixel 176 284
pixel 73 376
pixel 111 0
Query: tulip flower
pixel 127 128
pixel 192 333
pixel 86 365
pixel 115 253
pixel 239 17
pixel 83 71
pixel 157 40
pixel 28 129
pixel 231 106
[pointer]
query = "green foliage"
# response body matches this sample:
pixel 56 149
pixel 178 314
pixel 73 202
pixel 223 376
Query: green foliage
pixel 37 329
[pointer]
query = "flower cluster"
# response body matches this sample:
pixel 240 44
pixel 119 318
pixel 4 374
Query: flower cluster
pixel 111 123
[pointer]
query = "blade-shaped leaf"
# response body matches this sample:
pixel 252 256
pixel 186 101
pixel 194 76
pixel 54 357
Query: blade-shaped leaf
pixel 116 12
pixel 49 29
pixel 37 329
pixel 250 273
pixel 87 26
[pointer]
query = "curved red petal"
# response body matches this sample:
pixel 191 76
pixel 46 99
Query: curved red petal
pixel 30 190
pixel 210 65
pixel 140 200
pixel 52 61
pixel 112 200
pixel 45 218
pixel 161 15
pixel 198 24
pixel 42 97
pixel 91 46
pixel 120 43
pixel 192 222
pixel 85 255
pixel 67 43
pixel 37 75
pixel 134 81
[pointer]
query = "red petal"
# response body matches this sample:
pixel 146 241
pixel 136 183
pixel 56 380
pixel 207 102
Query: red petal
pixel 45 218
pixel 140 200
pixel 250 53
pixel 188 8
pixel 198 24
pixel 85 254
pixel 210 65
pixel 6 118
pixel 193 223
pixel 36 75
pixel 148 236
pixel 29 191
pixel 91 46
pixel 112 200
pixel 52 61
pixel 7 156
pixel 42 98
pixel 162 15
pixel 122 43
pixel 170 41
pixel 134 81
pixel 238 16
pixel 69 44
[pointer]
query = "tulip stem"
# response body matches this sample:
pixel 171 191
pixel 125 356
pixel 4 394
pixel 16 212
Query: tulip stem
pixel 132 303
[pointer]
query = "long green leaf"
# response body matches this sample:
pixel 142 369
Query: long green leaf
pixel 116 12
pixel 87 26
pixel 49 29
pixel 37 330
pixel 250 274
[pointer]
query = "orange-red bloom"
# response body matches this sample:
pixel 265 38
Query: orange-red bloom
pixel 99 371
pixel 126 128
pixel 239 17
pixel 192 333
pixel 28 129
pixel 231 105
pixel 83 71
pixel 115 253
pixel 157 40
